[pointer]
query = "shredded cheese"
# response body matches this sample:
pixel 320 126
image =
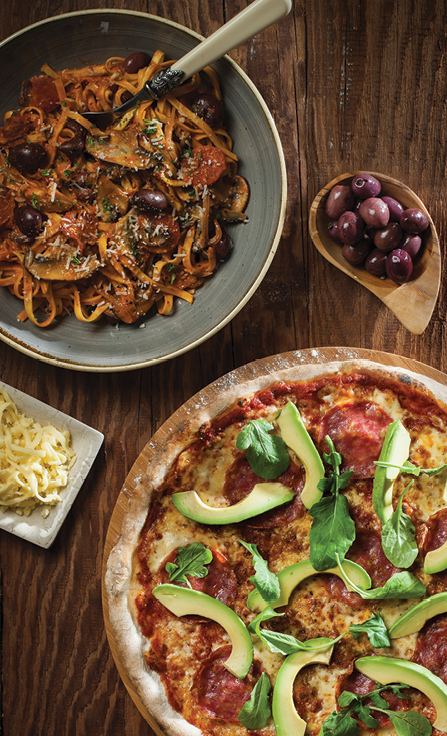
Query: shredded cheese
pixel 34 461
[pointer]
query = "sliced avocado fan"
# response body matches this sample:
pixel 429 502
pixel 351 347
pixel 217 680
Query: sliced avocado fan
pixel 414 619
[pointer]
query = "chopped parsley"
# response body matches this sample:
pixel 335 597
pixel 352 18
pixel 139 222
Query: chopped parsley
pixel 35 202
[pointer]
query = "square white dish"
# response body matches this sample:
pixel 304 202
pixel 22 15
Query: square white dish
pixel 85 442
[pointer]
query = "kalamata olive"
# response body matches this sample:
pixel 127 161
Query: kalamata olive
pixel 350 227
pixel 394 207
pixel 399 266
pixel 414 220
pixel 27 157
pixel 332 231
pixel 135 61
pixel 149 200
pixel 412 244
pixel 375 263
pixel 209 108
pixel 388 237
pixel 356 254
pixel 375 212
pixel 223 247
pixel 75 127
pixel 340 199
pixel 72 147
pixel 365 186
pixel 28 220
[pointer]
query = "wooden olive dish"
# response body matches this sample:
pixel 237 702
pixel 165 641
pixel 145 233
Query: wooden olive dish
pixel 413 302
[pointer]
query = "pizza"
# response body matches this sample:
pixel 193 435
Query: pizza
pixel 282 562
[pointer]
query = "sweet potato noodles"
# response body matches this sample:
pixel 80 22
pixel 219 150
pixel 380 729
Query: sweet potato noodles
pixel 112 222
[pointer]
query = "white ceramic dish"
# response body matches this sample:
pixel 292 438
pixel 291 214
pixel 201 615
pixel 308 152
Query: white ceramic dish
pixel 77 39
pixel 86 443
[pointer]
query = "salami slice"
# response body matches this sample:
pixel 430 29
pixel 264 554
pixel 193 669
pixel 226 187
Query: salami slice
pixel 220 693
pixel 436 533
pixel 338 590
pixel 357 429
pixel 241 480
pixel 431 647
pixel 219 583
pixel 367 552
pixel 355 682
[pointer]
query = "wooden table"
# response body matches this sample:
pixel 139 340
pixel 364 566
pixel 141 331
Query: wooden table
pixel 351 85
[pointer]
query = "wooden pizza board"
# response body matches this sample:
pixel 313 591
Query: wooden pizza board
pixel 245 373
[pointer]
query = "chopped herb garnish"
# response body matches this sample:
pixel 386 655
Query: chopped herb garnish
pixel 76 260
pixel 35 202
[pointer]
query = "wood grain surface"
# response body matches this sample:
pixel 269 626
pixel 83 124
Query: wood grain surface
pixel 352 85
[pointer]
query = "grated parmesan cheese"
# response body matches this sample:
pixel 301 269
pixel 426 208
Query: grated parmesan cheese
pixel 34 461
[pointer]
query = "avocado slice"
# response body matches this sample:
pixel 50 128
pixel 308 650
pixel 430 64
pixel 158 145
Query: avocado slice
pixel 436 560
pixel 286 719
pixel 386 670
pixel 395 450
pixel 186 602
pixel 263 497
pixel 414 619
pixel 296 436
pixel 293 575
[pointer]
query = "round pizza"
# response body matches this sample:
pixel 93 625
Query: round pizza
pixel 282 562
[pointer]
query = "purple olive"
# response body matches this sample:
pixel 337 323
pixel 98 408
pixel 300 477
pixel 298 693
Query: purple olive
pixel 350 227
pixel 414 220
pixel 209 108
pixel 149 200
pixel 375 263
pixel 75 127
pixel 365 186
pixel 394 207
pixel 388 237
pixel 399 266
pixel 27 157
pixel 412 244
pixel 223 247
pixel 28 220
pixel 374 211
pixel 356 254
pixel 340 199
pixel 72 147
pixel 332 231
pixel 134 62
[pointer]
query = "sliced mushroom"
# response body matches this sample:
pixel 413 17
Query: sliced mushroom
pixel 53 267
pixel 111 199
pixel 121 147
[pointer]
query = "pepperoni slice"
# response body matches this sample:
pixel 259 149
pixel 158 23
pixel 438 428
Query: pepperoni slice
pixel 436 533
pixel 241 480
pixel 431 647
pixel 204 167
pixel 338 590
pixel 357 429
pixel 367 552
pixel 220 693
pixel 41 92
pixel 220 583
pixel 355 682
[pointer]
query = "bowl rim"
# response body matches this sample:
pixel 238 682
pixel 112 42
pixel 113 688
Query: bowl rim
pixel 87 367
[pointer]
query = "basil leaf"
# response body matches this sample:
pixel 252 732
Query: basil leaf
pixel 191 560
pixel 399 585
pixel 332 531
pixel 340 724
pixel 266 453
pixel 399 538
pixel 256 711
pixel 410 723
pixel 376 630
pixel 265 582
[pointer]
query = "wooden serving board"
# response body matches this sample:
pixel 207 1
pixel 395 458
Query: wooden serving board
pixel 245 373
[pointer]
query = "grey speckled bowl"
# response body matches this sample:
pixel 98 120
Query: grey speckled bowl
pixel 77 39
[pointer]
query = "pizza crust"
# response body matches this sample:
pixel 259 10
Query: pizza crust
pixel 164 447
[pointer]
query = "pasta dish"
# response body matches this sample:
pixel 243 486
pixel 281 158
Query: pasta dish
pixel 112 222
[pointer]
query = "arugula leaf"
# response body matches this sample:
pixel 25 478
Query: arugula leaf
pixel 191 560
pixel 342 723
pixel 376 630
pixel 410 468
pixel 266 453
pixel 284 643
pixel 265 615
pixel 399 537
pixel 399 585
pixel 265 582
pixel 256 711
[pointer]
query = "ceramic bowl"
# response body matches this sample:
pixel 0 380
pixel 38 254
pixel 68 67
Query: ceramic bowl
pixel 77 39
pixel 413 302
